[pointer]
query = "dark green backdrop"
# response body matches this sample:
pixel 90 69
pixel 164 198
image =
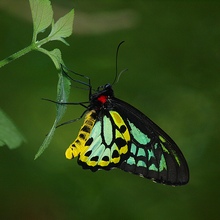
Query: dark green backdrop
pixel 172 52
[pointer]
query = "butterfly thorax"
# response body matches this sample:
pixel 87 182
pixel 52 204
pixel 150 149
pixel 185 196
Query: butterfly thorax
pixel 101 99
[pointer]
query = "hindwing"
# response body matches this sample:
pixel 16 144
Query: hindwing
pixel 104 145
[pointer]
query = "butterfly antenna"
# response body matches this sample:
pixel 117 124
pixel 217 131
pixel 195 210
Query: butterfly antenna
pixel 116 64
pixel 78 81
pixel 119 75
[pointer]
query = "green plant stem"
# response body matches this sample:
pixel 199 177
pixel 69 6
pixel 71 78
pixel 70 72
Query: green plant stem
pixel 17 55
pixel 33 46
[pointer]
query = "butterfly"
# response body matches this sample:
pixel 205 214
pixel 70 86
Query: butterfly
pixel 115 134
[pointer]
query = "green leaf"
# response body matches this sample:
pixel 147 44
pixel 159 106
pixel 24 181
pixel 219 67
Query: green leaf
pixel 63 91
pixel 55 56
pixel 9 134
pixel 62 28
pixel 42 15
pixel 46 141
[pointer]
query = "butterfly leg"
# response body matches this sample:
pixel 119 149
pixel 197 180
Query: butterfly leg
pixel 71 121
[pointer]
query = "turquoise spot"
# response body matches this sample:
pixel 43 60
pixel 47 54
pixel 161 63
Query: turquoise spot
pixel 141 163
pixel 97 141
pixel 141 152
pixel 153 167
pixel 133 149
pixel 98 151
pixel 138 135
pixel 131 161
pixel 107 130
pixel 96 131
pixel 150 154
pixel 163 164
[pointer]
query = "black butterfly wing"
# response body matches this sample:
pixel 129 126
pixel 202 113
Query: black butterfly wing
pixel 118 135
pixel 152 154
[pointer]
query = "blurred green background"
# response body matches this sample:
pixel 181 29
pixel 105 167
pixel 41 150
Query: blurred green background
pixel 172 52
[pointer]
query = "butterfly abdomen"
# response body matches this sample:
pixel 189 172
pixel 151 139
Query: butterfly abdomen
pixel 79 144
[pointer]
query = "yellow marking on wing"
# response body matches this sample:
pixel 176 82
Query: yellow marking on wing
pixel 84 158
pixel 119 134
pixel 124 150
pixel 96 153
pixel 117 118
pixel 103 163
pixel 78 146
pixel 71 152
pixel 120 122
pixel 115 160
pixel 91 163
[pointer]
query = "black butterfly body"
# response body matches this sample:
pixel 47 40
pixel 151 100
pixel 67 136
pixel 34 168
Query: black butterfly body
pixel 117 135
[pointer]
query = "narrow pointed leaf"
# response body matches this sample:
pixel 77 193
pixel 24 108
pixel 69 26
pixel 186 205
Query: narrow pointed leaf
pixel 46 141
pixel 63 91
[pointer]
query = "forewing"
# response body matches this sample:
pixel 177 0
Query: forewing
pixel 152 153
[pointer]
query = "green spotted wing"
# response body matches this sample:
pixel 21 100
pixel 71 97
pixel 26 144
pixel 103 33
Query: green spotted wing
pixel 152 154
pixel 117 135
